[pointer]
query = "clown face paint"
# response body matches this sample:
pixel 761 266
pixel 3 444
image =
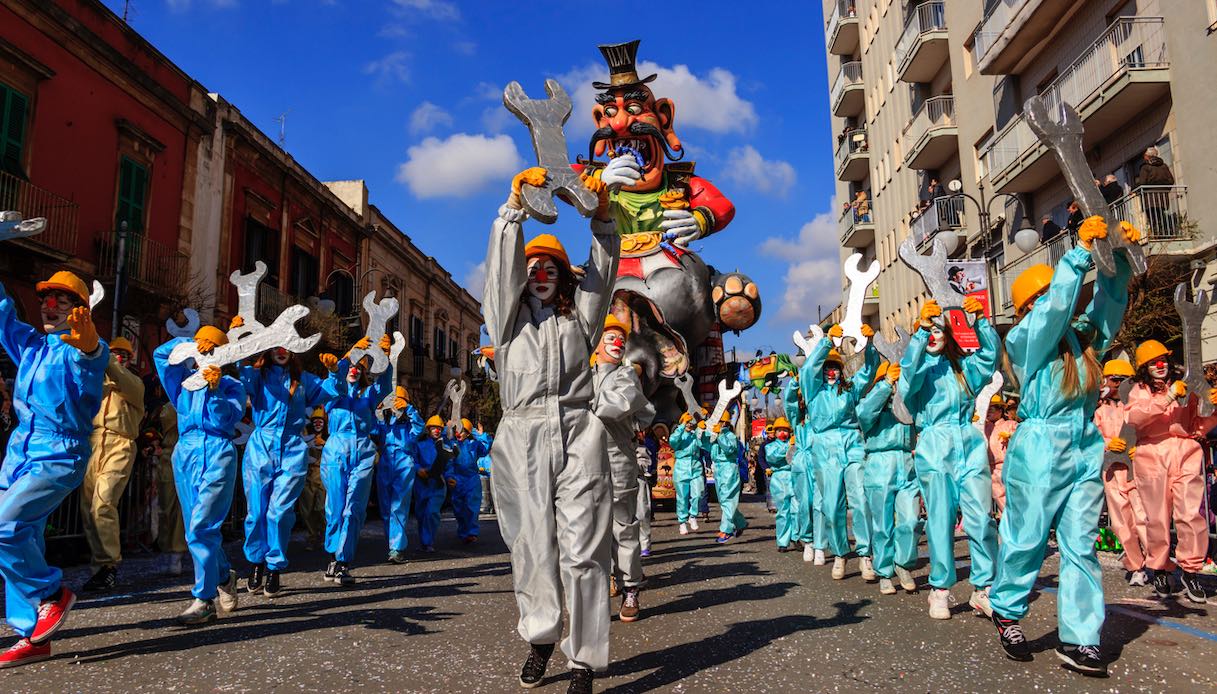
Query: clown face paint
pixel 1159 368
pixel 1111 387
pixel 782 435
pixel 353 374
pixel 937 342
pixel 832 373
pixel 280 356
pixel 55 306
pixel 542 278
pixel 435 432
pixel 611 347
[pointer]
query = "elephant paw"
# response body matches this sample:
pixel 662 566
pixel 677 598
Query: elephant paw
pixel 737 301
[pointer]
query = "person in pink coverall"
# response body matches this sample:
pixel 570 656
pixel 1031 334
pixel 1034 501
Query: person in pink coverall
pixel 1124 506
pixel 998 430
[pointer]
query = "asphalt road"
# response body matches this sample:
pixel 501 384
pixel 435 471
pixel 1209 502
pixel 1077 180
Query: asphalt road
pixel 735 617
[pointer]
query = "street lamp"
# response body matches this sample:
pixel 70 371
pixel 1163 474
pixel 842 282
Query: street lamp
pixel 983 214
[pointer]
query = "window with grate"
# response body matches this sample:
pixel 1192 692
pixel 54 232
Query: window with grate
pixel 14 110
pixel 132 195
pixel 305 269
pixel 262 243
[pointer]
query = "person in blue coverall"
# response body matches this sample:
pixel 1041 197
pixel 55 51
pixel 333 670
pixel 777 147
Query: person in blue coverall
pixel 836 451
pixel 429 485
pixel 399 432
pixel 57 393
pixel 781 485
pixel 890 483
pixel 811 524
pixel 464 481
pixel 685 441
pixel 1054 463
pixel 349 455
pixel 275 463
pixel 723 446
pixel 939 386
pixel 204 468
pixel 485 464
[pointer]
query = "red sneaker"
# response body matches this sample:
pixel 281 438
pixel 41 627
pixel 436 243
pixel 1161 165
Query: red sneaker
pixel 51 615
pixel 23 652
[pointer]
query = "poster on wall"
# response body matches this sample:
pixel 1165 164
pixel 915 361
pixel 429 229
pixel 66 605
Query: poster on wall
pixel 970 278
pixel 130 331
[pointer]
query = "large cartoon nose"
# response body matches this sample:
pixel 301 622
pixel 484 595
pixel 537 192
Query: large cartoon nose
pixel 620 123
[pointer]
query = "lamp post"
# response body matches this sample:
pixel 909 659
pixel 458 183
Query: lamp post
pixel 983 213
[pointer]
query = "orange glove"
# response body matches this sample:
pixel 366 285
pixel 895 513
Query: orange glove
pixel 1213 395
pixel 592 182
pixel 1132 453
pixel 929 311
pixel 893 373
pixel 769 472
pixel 1179 389
pixel 329 361
pixel 974 306
pixel 867 331
pixel 204 345
pixel 385 344
pixel 1117 445
pixel 1004 436
pixel 320 440
pixel 835 331
pixel 1093 228
pixel 1131 233
pixel 362 343
pixel 534 176
pixel 452 483
pixel 236 322
pixel 82 333
pixel 212 375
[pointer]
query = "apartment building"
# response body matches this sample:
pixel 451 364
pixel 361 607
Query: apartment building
pixel 925 94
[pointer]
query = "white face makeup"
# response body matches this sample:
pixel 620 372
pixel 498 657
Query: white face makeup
pixel 55 307
pixel 783 435
pixel 832 373
pixel 280 356
pixel 542 278
pixel 353 374
pixel 1159 369
pixel 937 340
pixel 612 346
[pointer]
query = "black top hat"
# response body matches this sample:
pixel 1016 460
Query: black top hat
pixel 622 71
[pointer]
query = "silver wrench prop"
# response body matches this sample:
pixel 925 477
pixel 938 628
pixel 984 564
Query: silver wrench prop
pixel 247 301
pixel 1193 314
pixel 725 396
pixel 545 118
pixel 399 345
pixel 933 271
pixel 454 393
pixel 379 315
pixel 685 383
pixel 98 295
pixel 859 285
pixel 893 352
pixel 188 329
pixel 993 387
pixel 12 226
pixel 1064 138
pixel 281 333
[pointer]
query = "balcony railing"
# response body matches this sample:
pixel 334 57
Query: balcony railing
pixel 944 212
pixel 149 265
pixel 1160 212
pixel 1048 253
pixel 1130 43
pixel 853 142
pixel 59 237
pixel 842 9
pixel 993 25
pixel 926 17
pixel 935 112
pixel 850 74
pixel 272 302
pixel 854 217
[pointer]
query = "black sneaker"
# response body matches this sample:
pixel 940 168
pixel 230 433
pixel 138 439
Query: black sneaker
pixel 1162 584
pixel 1013 642
pixel 272 584
pixel 103 581
pixel 1193 590
pixel 330 571
pixel 1083 659
pixel 534 668
pixel 253 584
pixel 580 681
pixel 342 574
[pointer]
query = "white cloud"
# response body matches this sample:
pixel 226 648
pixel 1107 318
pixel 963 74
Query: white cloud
pixel 428 117
pixel 496 119
pixel 475 280
pixel 708 102
pixel 746 167
pixel 459 165
pixel 813 275
pixel 394 67
pixel 432 9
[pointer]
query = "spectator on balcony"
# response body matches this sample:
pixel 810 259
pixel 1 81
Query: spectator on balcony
pixel 1154 171
pixel 1111 189
pixel 933 190
pixel 861 207
pixel 1048 228
pixel 1075 219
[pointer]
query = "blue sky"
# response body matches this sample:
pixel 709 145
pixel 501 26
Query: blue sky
pixel 407 94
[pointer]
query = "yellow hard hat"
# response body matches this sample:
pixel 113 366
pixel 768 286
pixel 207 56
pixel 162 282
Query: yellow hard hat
pixel 997 400
pixel 318 413
pixel 122 343
pixel 1029 284
pixel 65 281
pixel 881 372
pixel 612 321
pixel 547 244
pixel 468 425
pixel 1118 367
pixel 834 357
pixel 781 423
pixel 435 421
pixel 210 332
pixel 1150 350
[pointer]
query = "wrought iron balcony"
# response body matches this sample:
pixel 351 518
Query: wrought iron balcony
pixel 59 238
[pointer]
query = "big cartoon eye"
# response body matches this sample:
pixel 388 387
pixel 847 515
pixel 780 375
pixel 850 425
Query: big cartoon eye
pixel 610 111
pixel 634 109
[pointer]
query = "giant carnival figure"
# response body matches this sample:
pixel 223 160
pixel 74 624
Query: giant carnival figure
pixel 663 288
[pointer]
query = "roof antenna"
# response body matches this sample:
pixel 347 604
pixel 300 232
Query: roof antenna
pixel 128 10
pixel 282 121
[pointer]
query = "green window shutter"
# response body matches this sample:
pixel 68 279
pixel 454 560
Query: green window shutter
pixel 14 107
pixel 132 194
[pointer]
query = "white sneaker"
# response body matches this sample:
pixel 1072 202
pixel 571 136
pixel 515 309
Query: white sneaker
pixel 906 579
pixel 980 602
pixel 886 587
pixel 693 524
pixel 820 559
pixel 1139 578
pixel 868 569
pixel 684 528
pixel 940 604
pixel 808 552
pixel 838 568
pixel 226 598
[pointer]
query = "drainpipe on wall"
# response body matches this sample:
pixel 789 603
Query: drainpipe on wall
pixel 120 267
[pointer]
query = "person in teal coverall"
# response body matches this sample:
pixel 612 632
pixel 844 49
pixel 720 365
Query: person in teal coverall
pixel 723 446
pixel 811 520
pixel 781 485
pixel 685 441
pixel 1054 463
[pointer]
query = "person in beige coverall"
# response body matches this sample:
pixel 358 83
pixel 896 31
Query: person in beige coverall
pixel 115 429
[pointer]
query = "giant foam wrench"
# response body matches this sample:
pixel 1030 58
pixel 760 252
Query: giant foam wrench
pixel 809 341
pixel 454 394
pixel 933 270
pixel 684 382
pixel 545 118
pixel 398 346
pixel 1064 138
pixel 893 352
pixel 1193 313
pixel 859 285
pixel 250 339
pixel 379 315
pixel 985 397
pixel 725 396
pixel 12 226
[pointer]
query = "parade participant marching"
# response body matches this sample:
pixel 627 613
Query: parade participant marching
pixel 463 479
pixel 1054 466
pixel 1169 470
pixel 643 457
pixel 685 441
pixel 204 468
pixel 485 464
pixel 312 497
pixel 802 476
pixel 998 430
pixel 401 428
pixel 1124 508
pixel 171 528
pixel 777 459
pixel 275 464
pixel 349 454
pixel 723 446
pixel 891 484
pixel 115 429
pixel 624 409
pixel 837 453
pixel 551 473
pixel 57 393
pixel 429 485
pixel 938 384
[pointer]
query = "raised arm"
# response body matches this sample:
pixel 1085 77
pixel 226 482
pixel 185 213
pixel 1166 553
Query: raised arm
pixel 171 375
pixel 811 376
pixel 506 274
pixel 16 336
pixel 872 404
pixel 914 365
pixel 790 400
pixel 130 386
pixel 1032 343
pixel 870 367
pixel 595 293
pixel 979 366
pixel 1106 309
pixel 226 404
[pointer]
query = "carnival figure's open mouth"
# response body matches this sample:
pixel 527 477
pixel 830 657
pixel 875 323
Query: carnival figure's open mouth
pixel 646 147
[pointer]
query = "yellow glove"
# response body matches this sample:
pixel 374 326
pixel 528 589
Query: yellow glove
pixel 1004 436
pixel 362 343
pixel 974 306
pixel 212 375
pixel 867 331
pixel 452 483
pixel 835 331
pixel 82 333
pixel 1091 229
pixel 893 373
pixel 769 472
pixel 1117 445
pixel 717 428
pixel 385 344
pixel 929 312
pixel 400 403
pixel 1213 395
pixel 1179 389
pixel 236 322
pixel 1132 453
pixel 592 182
pixel 1131 233
pixel 534 176
pixel 975 418
pixel 329 361
pixel 319 440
